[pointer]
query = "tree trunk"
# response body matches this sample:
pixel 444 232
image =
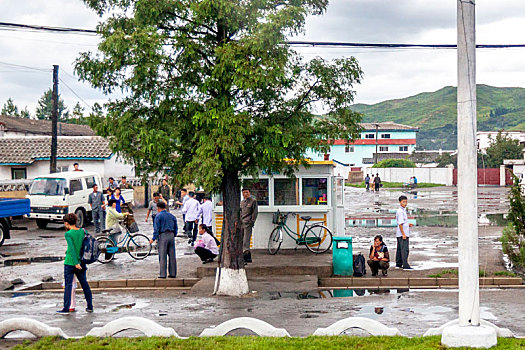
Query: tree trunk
pixel 232 276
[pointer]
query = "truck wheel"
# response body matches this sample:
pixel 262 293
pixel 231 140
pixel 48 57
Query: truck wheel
pixel 81 217
pixel 42 223
pixel 3 234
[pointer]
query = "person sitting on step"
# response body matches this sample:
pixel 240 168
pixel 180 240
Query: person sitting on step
pixel 379 257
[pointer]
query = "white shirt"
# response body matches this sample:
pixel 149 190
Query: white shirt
pixel 185 199
pixel 191 208
pixel 402 218
pixel 210 244
pixel 206 210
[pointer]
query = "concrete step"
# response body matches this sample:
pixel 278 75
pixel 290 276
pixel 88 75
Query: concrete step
pixel 155 283
pixel 415 282
pixel 268 270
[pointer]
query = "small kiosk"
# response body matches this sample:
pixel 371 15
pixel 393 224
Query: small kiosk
pixel 314 192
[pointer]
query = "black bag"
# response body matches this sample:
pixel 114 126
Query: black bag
pixel 359 266
pixel 89 252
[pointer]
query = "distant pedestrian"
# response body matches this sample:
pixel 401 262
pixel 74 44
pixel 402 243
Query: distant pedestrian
pixel 402 235
pixel 367 182
pixel 124 184
pixel 249 212
pixel 164 190
pixel 75 167
pixel 98 207
pixel 112 184
pixel 377 182
pixel 164 231
pixel 207 212
pixel 183 199
pixel 191 211
pixel 379 257
pixel 415 181
pixel 206 248
pixel 72 265
pixel 152 207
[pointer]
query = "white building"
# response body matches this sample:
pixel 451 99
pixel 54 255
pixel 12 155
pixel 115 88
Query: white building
pixel 484 138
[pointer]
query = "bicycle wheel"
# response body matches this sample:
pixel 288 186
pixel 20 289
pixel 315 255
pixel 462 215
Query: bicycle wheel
pixel 139 246
pixel 318 239
pixel 276 238
pixel 105 244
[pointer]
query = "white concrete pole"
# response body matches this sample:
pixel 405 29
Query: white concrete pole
pixel 467 167
pixel 468 332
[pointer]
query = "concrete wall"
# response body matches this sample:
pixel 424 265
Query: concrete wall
pixel 424 175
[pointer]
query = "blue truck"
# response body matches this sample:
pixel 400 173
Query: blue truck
pixel 11 208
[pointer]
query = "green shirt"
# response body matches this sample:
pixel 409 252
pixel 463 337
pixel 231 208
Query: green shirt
pixel 74 239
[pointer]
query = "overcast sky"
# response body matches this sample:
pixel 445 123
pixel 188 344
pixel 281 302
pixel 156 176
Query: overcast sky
pixel 388 73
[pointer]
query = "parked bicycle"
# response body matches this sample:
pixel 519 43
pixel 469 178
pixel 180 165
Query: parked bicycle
pixel 136 245
pixel 316 237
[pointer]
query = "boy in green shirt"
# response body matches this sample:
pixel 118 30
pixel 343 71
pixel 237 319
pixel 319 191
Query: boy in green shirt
pixel 72 265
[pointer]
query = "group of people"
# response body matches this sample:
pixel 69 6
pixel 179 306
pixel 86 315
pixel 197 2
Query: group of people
pixel 376 181
pixel 379 258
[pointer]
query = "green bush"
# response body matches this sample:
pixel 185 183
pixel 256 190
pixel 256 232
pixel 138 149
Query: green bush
pixel 395 163
pixel 513 236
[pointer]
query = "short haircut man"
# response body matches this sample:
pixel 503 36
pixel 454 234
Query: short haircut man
pixel 403 198
pixel 191 194
pixel 161 205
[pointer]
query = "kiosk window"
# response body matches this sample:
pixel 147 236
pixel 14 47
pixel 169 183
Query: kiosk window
pixel 315 191
pixel 259 190
pixel 286 192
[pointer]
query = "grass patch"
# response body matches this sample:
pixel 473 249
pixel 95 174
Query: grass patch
pixel 505 273
pixel 394 185
pixel 445 273
pixel 340 342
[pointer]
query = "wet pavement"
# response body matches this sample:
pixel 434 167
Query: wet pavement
pixel 433 247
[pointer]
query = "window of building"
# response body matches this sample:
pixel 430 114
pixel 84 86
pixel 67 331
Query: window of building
pixel 385 136
pixel 75 185
pixel 90 181
pixel 315 191
pixel 349 148
pixel 383 148
pixel 286 192
pixel 62 169
pixel 258 190
pixel 403 148
pixel 369 136
pixel 18 173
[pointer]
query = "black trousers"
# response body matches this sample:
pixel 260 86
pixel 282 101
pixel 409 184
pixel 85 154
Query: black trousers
pixel 402 252
pixel 376 265
pixel 376 187
pixel 204 253
pixel 191 230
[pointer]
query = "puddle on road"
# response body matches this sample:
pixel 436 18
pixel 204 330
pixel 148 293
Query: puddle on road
pixel 330 293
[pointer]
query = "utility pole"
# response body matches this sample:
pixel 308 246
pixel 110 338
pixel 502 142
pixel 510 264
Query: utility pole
pixel 468 332
pixel 377 134
pixel 54 123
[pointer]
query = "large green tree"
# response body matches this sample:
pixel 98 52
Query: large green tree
pixel 212 90
pixel 44 107
pixel 502 147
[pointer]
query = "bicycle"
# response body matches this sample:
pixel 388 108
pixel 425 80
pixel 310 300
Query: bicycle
pixel 136 245
pixel 317 238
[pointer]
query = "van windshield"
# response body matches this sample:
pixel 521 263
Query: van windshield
pixel 48 187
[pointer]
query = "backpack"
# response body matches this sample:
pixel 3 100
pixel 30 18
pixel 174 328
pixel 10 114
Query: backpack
pixel 89 252
pixel 359 266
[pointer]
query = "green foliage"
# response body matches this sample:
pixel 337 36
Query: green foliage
pixel 505 273
pixel 445 273
pixel 395 163
pixel 435 113
pixel 211 89
pixel 513 236
pixel 248 343
pixel 45 107
pixel 10 109
pixel 446 159
pixel 502 147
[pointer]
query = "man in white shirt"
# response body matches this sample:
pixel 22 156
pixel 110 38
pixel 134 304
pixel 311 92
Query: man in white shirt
pixel 207 212
pixel 191 211
pixel 185 197
pixel 402 235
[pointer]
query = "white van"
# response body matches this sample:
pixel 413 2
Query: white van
pixel 54 195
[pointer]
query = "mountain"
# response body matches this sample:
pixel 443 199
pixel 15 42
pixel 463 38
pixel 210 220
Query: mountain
pixel 435 113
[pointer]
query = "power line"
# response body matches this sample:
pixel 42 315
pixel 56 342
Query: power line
pixel 77 95
pixel 334 44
